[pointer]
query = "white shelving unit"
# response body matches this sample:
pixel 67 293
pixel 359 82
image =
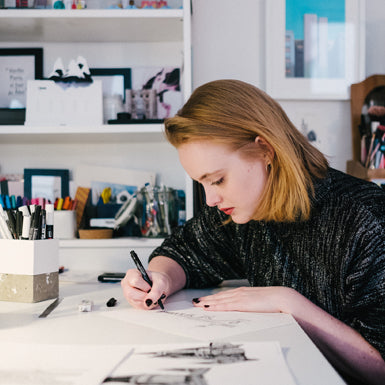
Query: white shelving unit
pixel 107 38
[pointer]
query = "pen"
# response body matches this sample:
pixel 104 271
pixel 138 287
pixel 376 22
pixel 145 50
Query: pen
pixel 35 222
pixel 143 273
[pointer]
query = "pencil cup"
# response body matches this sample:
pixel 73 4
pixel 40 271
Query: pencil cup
pixel 64 224
pixel 29 270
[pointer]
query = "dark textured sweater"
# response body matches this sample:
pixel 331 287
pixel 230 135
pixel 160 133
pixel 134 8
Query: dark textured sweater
pixel 336 258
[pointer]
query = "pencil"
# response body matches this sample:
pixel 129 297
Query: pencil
pixel 143 272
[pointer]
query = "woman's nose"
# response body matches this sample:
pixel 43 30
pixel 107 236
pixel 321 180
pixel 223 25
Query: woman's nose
pixel 212 197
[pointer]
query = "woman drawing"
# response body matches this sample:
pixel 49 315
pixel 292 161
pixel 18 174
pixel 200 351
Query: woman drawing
pixel 309 239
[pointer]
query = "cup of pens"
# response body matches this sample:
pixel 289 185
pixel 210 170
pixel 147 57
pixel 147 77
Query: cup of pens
pixel 157 210
pixel 29 258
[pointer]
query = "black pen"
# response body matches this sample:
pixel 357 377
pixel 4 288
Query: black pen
pixel 143 273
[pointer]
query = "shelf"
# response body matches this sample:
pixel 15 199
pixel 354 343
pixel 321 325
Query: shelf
pixel 95 134
pixel 103 25
pixel 111 243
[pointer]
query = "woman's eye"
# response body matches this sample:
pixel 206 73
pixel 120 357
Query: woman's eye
pixel 217 182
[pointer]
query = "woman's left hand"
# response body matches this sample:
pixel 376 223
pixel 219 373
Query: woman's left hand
pixel 273 299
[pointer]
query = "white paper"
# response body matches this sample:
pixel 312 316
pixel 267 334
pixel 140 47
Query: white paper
pixel 199 324
pixel 40 364
pixel 206 363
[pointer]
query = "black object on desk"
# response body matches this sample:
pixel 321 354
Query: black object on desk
pixel 111 277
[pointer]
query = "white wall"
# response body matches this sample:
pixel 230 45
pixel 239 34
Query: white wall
pixel 229 42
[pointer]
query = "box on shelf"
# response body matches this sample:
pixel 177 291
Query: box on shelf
pixel 29 270
pixel 64 104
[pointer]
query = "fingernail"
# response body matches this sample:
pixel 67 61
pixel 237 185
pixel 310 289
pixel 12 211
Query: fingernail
pixel 148 302
pixel 196 300
pixel 207 305
pixel 163 296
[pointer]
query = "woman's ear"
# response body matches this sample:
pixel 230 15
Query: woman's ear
pixel 266 147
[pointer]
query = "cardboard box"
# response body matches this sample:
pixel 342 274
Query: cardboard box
pixel 29 270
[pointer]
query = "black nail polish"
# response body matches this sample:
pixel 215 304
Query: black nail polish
pixel 207 305
pixel 163 296
pixel 196 300
pixel 148 302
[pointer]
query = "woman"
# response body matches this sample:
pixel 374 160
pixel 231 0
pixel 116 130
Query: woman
pixel 309 239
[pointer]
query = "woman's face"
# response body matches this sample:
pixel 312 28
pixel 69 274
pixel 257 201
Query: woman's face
pixel 231 182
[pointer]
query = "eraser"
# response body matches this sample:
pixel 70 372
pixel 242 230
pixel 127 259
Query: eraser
pixel 85 305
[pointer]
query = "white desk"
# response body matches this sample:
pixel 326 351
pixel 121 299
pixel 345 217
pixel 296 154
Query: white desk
pixel 19 323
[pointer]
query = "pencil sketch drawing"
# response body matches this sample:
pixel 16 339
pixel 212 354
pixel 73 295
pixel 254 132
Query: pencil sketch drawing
pixel 214 353
pixel 191 377
pixel 203 320
pixel 211 355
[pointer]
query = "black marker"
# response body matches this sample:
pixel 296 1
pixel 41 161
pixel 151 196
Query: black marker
pixel 143 273
pixel 49 208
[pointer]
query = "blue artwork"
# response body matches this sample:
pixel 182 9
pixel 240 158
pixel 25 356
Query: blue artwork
pixel 315 39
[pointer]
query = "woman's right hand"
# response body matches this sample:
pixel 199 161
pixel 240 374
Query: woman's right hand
pixel 140 294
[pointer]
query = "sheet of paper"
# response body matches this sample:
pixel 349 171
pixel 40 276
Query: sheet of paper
pixel 38 364
pixel 197 323
pixel 205 363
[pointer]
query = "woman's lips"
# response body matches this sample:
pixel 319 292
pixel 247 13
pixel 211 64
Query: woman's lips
pixel 228 210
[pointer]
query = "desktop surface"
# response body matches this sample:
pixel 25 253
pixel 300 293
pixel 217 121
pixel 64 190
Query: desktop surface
pixel 65 327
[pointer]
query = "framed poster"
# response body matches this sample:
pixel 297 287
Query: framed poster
pixel 314 49
pixel 17 66
pixel 46 183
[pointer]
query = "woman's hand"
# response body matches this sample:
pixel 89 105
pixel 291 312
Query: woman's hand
pixel 250 299
pixel 140 294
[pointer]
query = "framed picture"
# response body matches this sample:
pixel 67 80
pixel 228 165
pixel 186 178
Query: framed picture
pixel 17 66
pixel 314 49
pixel 165 81
pixel 115 81
pixel 46 183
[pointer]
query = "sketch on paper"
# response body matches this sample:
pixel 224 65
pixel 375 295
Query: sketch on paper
pixel 213 353
pixel 198 324
pixel 182 377
pixel 208 364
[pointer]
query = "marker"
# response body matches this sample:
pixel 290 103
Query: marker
pixel 143 273
pixel 13 202
pixel 2 203
pixel 26 227
pixel 19 224
pixel 49 221
pixel 59 204
pixel 35 223
pixel 4 229
pixel 12 223
pixel 25 210
pixel 43 224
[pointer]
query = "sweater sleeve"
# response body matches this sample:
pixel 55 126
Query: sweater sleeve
pixel 365 283
pixel 205 248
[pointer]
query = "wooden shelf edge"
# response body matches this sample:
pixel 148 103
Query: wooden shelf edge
pixel 356 169
pixel 111 243
pixel 91 13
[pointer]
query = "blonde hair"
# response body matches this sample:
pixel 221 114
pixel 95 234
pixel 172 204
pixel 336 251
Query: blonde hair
pixel 234 113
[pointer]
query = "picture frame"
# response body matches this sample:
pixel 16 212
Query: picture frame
pixel 17 66
pixel 46 183
pixel 115 81
pixel 330 45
